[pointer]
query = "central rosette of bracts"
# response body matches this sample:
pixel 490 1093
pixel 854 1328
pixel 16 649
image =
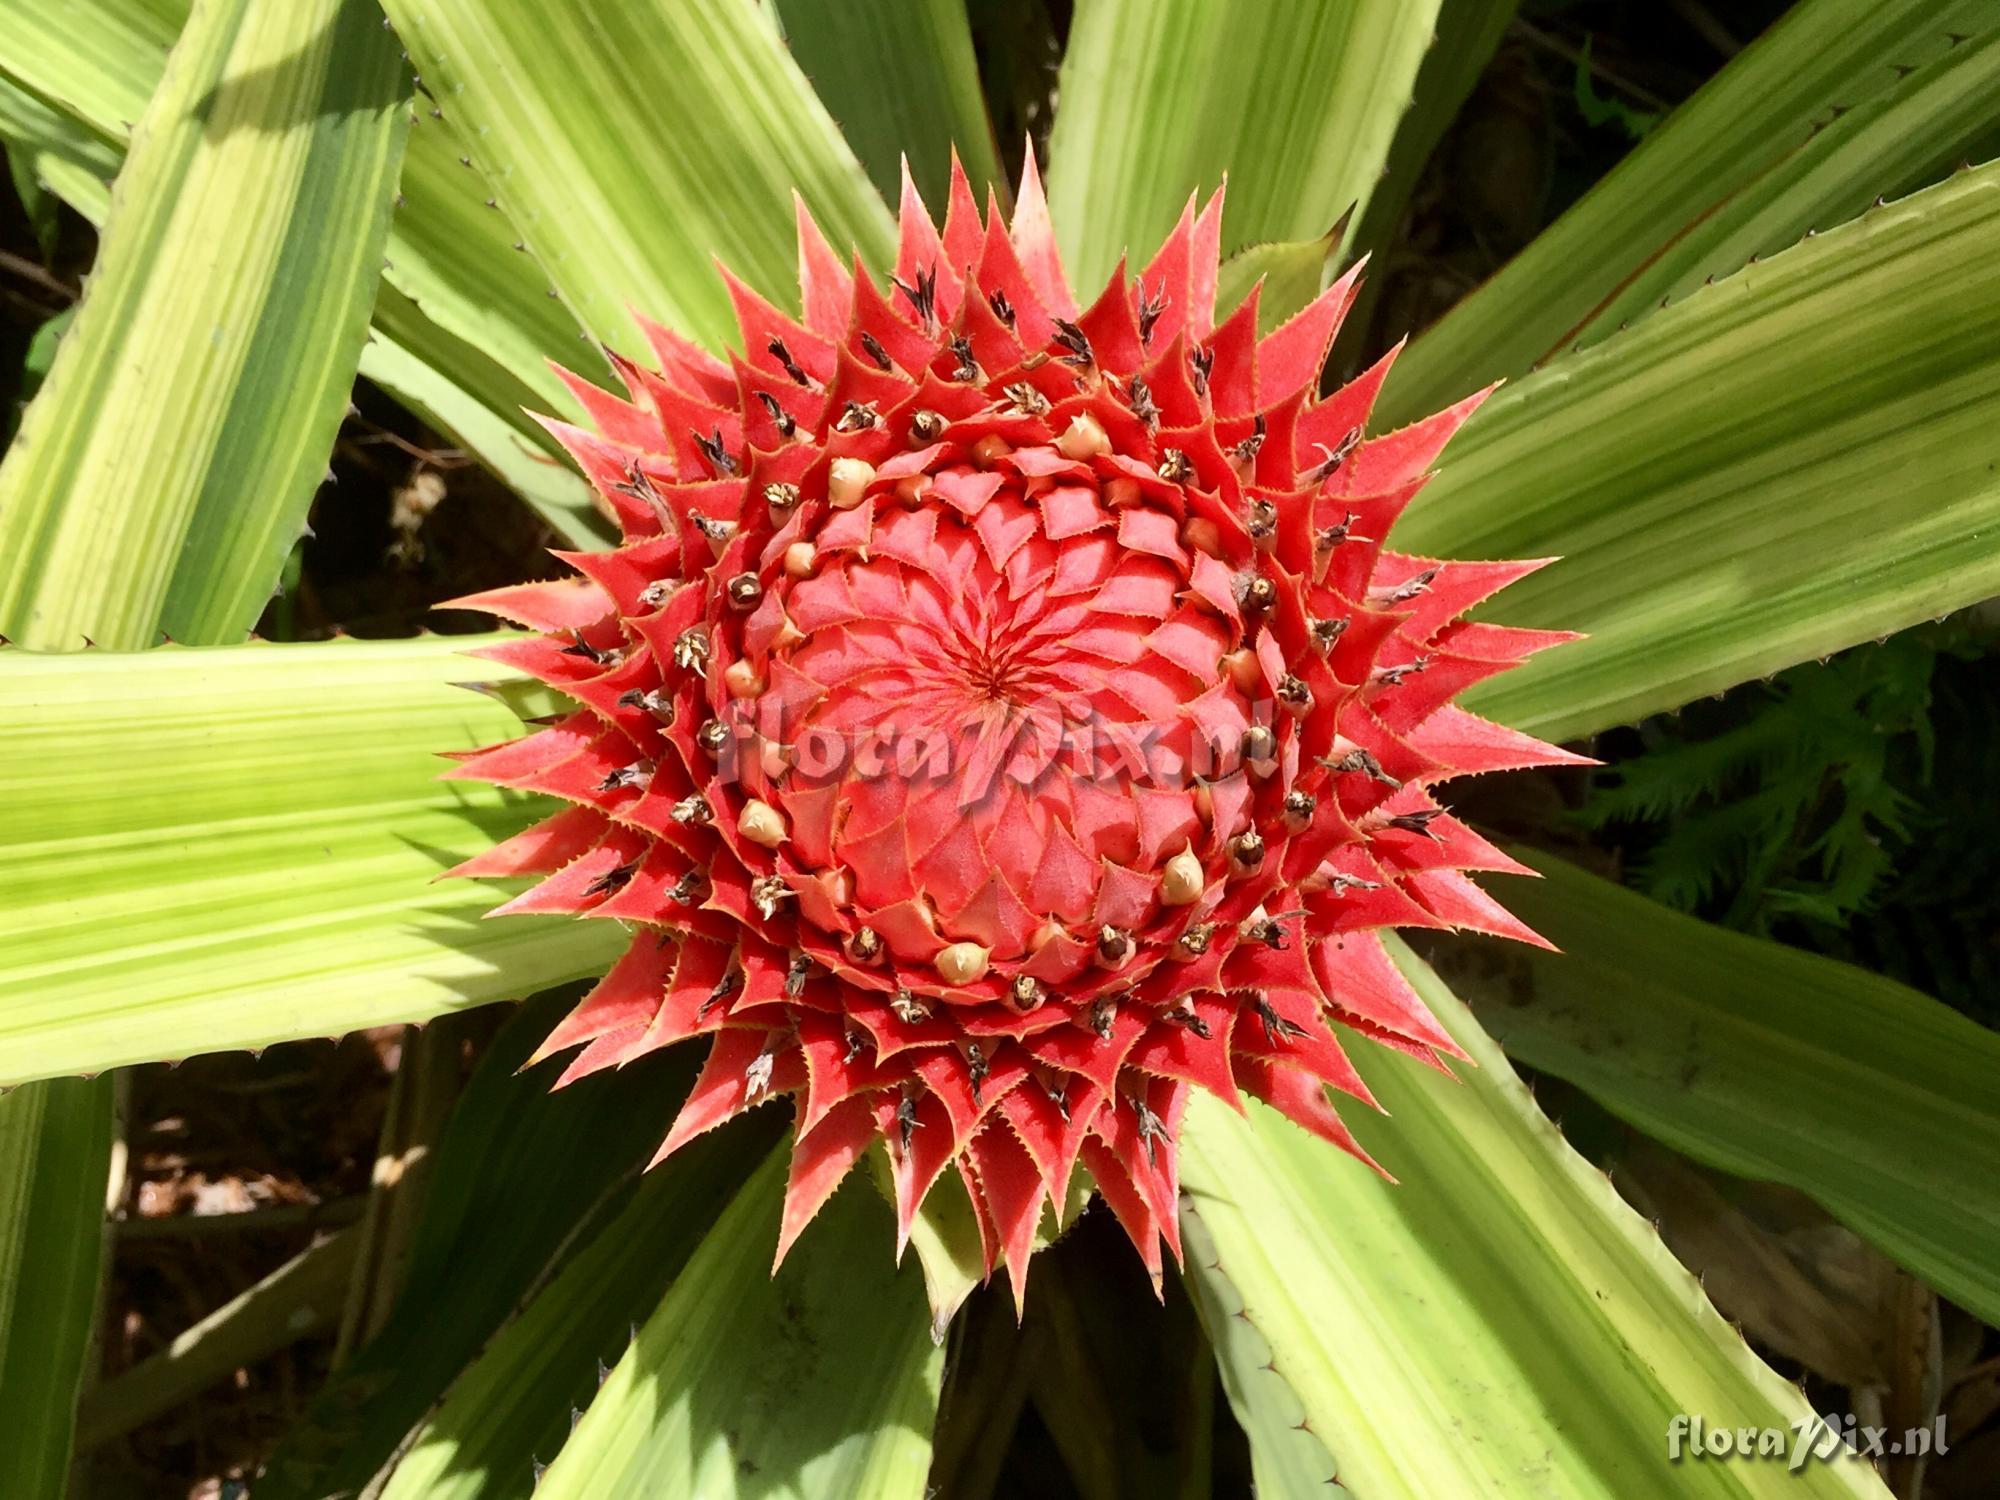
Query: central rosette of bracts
pixel 1002 717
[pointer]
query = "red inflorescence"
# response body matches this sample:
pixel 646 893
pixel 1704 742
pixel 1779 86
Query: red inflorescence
pixel 1000 718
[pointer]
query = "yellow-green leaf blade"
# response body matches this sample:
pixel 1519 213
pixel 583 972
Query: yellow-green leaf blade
pixel 65 158
pixel 417 376
pixel 1529 1333
pixel 104 56
pixel 900 79
pixel 1767 1062
pixel 1288 273
pixel 510 1406
pixel 632 141
pixel 1796 132
pixel 55 1154
pixel 206 849
pixel 454 254
pixel 526 1181
pixel 1799 458
pixel 165 467
pixel 460 389
pixel 449 252
pixel 1297 104
pixel 463 296
pixel 820 1380
pixel 1469 32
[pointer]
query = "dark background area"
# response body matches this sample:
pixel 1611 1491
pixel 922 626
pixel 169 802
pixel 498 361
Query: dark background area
pixel 1845 808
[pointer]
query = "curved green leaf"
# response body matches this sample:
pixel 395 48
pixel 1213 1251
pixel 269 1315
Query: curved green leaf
pixel 1764 1061
pixel 1529 1334
pixel 1289 271
pixel 818 1380
pixel 1802 129
pixel 512 1407
pixel 483 407
pixel 63 157
pixel 454 254
pixel 900 79
pixel 55 1153
pixel 165 467
pixel 524 1181
pixel 465 325
pixel 556 491
pixel 206 849
pixel 98 60
pixel 1297 104
pixel 1799 458
pixel 632 141
pixel 449 251
pixel 944 1234
pixel 1468 34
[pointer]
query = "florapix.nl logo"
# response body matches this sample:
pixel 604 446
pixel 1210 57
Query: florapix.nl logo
pixel 1691 1436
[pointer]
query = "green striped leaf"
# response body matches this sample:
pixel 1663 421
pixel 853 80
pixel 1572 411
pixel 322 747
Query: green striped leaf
pixel 631 142
pixel 1468 34
pixel 1764 1061
pixel 1799 458
pixel 465 325
pixel 819 1380
pixel 97 60
pixel 454 254
pixel 231 847
pixel 488 417
pixel 483 407
pixel 474 419
pixel 62 156
pixel 1528 1332
pixel 899 78
pixel 511 1408
pixel 449 252
pixel 944 1234
pixel 165 468
pixel 524 1181
pixel 1296 103
pixel 38 206
pixel 55 1155
pixel 1289 273
pixel 1801 130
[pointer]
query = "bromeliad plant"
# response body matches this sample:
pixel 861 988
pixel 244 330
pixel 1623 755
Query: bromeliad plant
pixel 1001 717
pixel 1004 725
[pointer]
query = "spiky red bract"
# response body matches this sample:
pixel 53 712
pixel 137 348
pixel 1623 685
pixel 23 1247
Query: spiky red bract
pixel 1000 718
